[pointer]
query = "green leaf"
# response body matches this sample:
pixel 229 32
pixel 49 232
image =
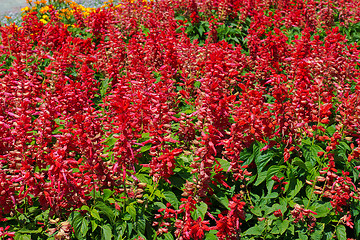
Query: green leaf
pixel 322 209
pixel 140 226
pixel 84 207
pixel 159 205
pixel 201 210
pixel 107 194
pixel 357 226
pixel 295 187
pixel 104 86
pixel 341 232
pixel 168 236
pixel 22 237
pixel 302 236
pixel 106 233
pixel 280 226
pixel 132 211
pixel 95 214
pixel 221 198
pixel 145 148
pixel 298 162
pixel 94 225
pixel 80 225
pixel 24 230
pixel 224 164
pixel 284 226
pixel 201 30
pixel 256 211
pixel 310 153
pixel 318 233
pixel 210 236
pixel 262 160
pixel 256 230
pixel 171 198
pixel 273 170
pixel 331 130
pixel 260 178
pixel 106 210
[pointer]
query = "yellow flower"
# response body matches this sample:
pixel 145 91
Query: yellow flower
pixel 45 17
pixel 44 9
pixel 43 21
pixel 25 9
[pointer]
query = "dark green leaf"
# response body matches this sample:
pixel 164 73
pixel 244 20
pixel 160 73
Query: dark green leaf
pixel 298 162
pixel 140 225
pixel 260 178
pixel 262 160
pixel 294 187
pixel 221 198
pixel 80 225
pixel 106 210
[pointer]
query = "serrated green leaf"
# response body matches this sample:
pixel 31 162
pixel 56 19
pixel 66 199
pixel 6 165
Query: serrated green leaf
pixel 357 227
pixel 303 236
pixel 84 207
pixel 273 170
pixel 318 233
pixel 159 205
pixel 284 226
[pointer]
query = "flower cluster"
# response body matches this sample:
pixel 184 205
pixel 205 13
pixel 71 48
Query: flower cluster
pixel 229 105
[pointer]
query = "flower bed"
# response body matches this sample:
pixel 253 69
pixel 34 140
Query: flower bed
pixel 177 119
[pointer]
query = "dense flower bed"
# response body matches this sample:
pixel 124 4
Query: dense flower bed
pixel 173 119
